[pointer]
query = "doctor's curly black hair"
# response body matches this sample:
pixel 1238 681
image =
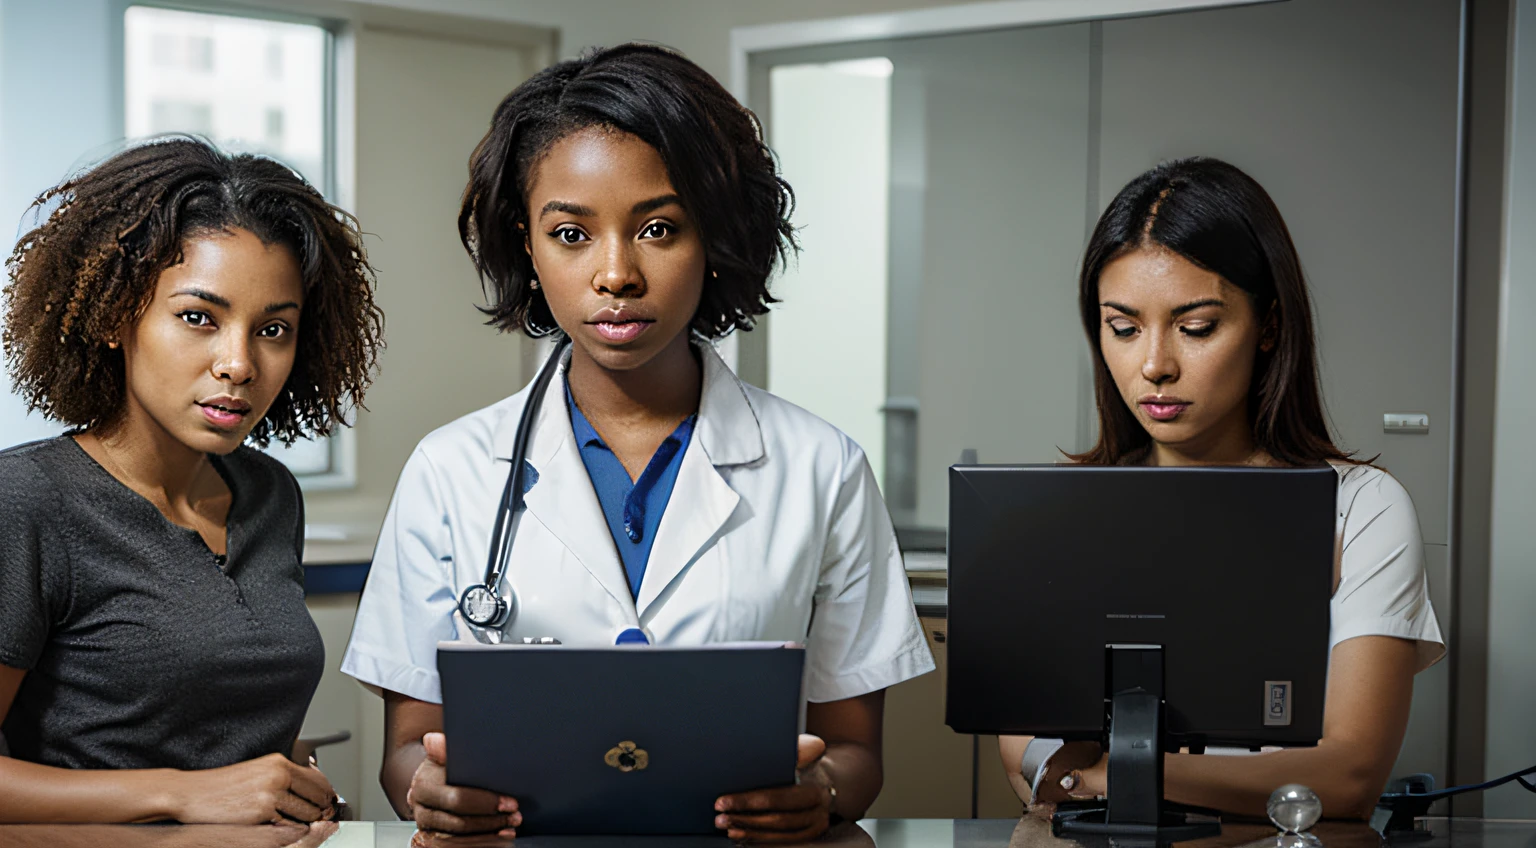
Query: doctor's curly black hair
pixel 715 156
pixel 91 268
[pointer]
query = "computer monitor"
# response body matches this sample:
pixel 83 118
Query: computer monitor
pixel 1171 607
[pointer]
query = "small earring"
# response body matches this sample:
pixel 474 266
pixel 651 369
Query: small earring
pixel 112 344
pixel 533 283
pixel 715 274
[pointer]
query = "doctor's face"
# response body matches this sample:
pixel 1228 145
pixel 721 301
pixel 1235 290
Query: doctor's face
pixel 1181 343
pixel 616 254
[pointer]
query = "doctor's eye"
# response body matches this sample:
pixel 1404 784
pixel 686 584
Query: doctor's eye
pixel 569 235
pixel 657 229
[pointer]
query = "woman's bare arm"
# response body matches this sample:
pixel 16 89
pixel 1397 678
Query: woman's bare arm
pixel 36 794
pixel 1370 687
pixel 262 790
pixel 406 721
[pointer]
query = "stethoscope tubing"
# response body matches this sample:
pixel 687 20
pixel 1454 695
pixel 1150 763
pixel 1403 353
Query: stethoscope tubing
pixel 512 494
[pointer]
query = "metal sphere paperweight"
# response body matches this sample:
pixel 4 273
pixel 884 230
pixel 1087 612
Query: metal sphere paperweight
pixel 1294 808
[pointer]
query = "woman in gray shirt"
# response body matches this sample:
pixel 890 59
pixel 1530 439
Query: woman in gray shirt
pixel 156 656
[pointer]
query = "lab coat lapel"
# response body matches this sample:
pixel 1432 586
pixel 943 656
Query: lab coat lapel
pixel 701 503
pixel 726 433
pixel 563 499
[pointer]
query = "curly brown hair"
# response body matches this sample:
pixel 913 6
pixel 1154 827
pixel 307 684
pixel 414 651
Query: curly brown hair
pixel 91 268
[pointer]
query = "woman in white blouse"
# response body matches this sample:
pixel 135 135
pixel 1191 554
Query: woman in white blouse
pixel 1198 316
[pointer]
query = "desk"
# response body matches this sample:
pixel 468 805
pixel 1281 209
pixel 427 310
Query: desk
pixel 871 833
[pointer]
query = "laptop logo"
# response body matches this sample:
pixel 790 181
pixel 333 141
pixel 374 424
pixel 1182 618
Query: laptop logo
pixel 626 757
pixel 1277 700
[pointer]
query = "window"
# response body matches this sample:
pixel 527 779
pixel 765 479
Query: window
pixel 274 127
pixel 247 84
pixel 187 117
pixel 250 85
pixel 275 59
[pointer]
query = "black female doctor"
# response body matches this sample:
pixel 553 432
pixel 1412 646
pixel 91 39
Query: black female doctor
pixel 626 201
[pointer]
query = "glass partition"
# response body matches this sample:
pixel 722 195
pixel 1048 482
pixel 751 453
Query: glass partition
pixel 943 186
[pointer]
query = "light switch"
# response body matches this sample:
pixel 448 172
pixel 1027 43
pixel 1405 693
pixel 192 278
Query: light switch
pixel 1405 422
pixel 326 533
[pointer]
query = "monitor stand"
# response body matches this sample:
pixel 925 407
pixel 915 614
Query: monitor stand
pixel 1137 739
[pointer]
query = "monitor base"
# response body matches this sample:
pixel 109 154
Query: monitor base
pixel 1178 823
pixel 1138 737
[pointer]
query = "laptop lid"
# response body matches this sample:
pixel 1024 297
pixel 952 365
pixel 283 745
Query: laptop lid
pixel 632 739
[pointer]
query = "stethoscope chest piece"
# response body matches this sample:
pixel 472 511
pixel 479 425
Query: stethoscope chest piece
pixel 484 608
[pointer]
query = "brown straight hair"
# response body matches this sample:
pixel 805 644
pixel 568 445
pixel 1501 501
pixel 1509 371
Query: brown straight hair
pixel 1223 221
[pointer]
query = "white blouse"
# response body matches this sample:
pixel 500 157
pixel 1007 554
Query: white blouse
pixel 1382 586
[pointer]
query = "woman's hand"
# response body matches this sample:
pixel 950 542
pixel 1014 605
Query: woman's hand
pixel 267 789
pixel 786 814
pixel 443 809
pixel 1078 770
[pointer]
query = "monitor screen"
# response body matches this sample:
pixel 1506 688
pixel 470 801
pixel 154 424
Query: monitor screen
pixel 1227 570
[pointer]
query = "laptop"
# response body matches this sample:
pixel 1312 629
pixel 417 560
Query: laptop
pixel 633 739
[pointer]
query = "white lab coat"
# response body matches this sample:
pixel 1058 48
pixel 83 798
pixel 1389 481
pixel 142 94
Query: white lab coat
pixel 775 530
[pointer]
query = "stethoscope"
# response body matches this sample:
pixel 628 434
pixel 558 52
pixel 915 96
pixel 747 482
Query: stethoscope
pixel 482 604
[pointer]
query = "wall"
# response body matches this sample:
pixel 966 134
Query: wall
pixel 1512 629
pixel 830 133
pixel 40 143
pixel 440 360
pixel 1003 224
pixel 699 28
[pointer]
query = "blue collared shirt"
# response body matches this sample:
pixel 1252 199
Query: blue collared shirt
pixel 633 508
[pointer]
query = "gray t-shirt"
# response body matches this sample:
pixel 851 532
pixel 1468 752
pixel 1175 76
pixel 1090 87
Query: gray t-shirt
pixel 140 650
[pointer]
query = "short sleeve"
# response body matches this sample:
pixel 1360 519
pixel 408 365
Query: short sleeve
pixel 1383 588
pixel 29 597
pixel 408 603
pixel 864 633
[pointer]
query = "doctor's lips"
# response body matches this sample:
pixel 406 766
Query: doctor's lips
pixel 619 323
pixel 225 412
pixel 1162 407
